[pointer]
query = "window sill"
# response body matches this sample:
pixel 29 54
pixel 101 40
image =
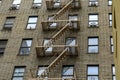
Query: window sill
pixel 23 54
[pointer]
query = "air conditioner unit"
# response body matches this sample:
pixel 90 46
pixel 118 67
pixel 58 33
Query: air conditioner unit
pixel 93 4
pixel 93 24
pixel 35 6
pixel 14 7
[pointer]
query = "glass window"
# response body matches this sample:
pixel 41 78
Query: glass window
pixel 111 44
pixel 48 50
pixel 109 2
pixel 93 20
pixel 18 73
pixel 3 44
pixel 0 1
pixel 32 21
pixel 74 23
pixel 52 25
pixel 9 23
pixel 93 45
pixel 71 42
pixel 93 2
pixel 41 71
pixel 113 73
pixel 57 4
pixel 110 19
pixel 37 2
pixel 26 46
pixel 17 2
pixel 68 71
pixel 92 73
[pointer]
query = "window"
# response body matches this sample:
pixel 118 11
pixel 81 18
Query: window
pixel 68 71
pixel 25 46
pixel 93 2
pixel 3 44
pixel 71 42
pixel 93 45
pixel 32 21
pixel 41 71
pixel 109 2
pixel 37 3
pixel 92 73
pixel 73 23
pixel 111 44
pixel 18 73
pixel 0 1
pixel 93 20
pixel 48 50
pixel 17 3
pixel 113 73
pixel 52 25
pixel 9 23
pixel 110 19
pixel 57 4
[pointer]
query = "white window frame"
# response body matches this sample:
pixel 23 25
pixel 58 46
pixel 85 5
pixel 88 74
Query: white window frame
pixel 57 4
pixel 111 44
pixel 52 25
pixel 93 2
pixel 113 73
pixel 110 2
pixel 37 2
pixel 42 71
pixel 9 23
pixel 93 20
pixel 73 20
pixel 110 19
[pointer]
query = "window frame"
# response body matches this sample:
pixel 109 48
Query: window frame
pixel 31 23
pixel 88 75
pixel 19 67
pixel 39 4
pixel 9 23
pixel 110 19
pixel 111 45
pixel 26 47
pixel 57 4
pixel 97 45
pixel 1 47
pixel 18 4
pixel 90 3
pixel 42 66
pixel 109 2
pixel 93 21
pixel 113 75
pixel 67 76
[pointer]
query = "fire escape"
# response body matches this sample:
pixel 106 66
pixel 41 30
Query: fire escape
pixel 49 48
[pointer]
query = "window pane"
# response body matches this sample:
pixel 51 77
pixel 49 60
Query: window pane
pixel 93 70
pixel 31 26
pixel 110 23
pixel 93 0
pixel 67 70
pixel 93 17
pixel 26 43
pixel 110 16
pixel 93 41
pixel 112 48
pixel 16 1
pixel 73 17
pixel 92 77
pixel 24 50
pixel 114 77
pixel 32 20
pixel 113 70
pixel 93 49
pixel 110 2
pixel 71 41
pixel 37 1
pixel 17 78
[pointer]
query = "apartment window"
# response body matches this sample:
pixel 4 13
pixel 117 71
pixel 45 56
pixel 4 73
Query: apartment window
pixel 9 23
pixel 92 72
pixel 41 71
pixel 68 71
pixel 111 44
pixel 18 73
pixel 37 3
pixel 109 2
pixel 93 20
pixel 113 73
pixel 93 2
pixel 16 3
pixel 73 19
pixel 93 45
pixel 32 21
pixel 3 44
pixel 52 25
pixel 25 46
pixel 71 42
pixel 0 1
pixel 45 43
pixel 110 19
pixel 57 4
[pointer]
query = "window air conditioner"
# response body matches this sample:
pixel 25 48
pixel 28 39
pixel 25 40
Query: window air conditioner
pixel 93 4
pixel 93 24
